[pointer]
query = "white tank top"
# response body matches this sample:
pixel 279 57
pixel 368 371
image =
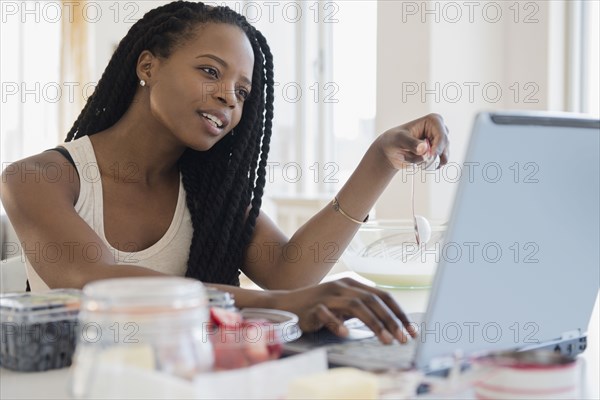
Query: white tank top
pixel 169 255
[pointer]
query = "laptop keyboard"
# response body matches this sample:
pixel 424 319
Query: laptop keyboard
pixel 363 351
pixel 371 354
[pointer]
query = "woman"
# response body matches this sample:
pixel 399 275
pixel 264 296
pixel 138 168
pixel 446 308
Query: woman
pixel 164 169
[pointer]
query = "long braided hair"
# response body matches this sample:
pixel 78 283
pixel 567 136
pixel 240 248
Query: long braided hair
pixel 220 183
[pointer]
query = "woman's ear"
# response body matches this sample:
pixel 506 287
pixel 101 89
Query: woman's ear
pixel 145 66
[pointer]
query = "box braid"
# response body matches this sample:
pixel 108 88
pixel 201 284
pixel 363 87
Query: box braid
pixel 223 182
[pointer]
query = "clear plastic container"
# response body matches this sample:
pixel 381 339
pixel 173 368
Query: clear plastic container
pixel 256 337
pixel 284 324
pixel 136 331
pixel 386 252
pixel 38 329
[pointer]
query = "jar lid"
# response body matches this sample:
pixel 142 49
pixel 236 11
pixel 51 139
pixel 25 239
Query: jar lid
pixel 219 298
pixel 144 293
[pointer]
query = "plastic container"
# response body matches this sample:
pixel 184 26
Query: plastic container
pixel 537 374
pixel 386 252
pixel 284 324
pixel 257 336
pixel 140 330
pixel 39 330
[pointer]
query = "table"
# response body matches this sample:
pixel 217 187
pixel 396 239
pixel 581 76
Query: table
pixel 54 384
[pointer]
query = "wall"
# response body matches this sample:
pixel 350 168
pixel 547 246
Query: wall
pixel 449 48
pixel 438 46
pixel 117 18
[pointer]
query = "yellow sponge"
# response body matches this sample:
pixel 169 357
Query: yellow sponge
pixel 336 383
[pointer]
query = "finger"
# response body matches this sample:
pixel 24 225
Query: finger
pixel 352 305
pixel 408 157
pixel 376 305
pixel 444 157
pixel 404 140
pixel 366 304
pixel 422 148
pixel 330 321
pixel 392 305
pixel 436 131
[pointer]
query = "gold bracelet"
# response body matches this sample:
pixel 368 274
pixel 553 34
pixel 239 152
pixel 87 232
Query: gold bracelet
pixel 336 206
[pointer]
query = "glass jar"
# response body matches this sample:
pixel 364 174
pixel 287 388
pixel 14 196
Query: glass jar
pixel 221 299
pixel 141 337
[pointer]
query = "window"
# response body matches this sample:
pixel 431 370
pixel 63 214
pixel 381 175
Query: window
pixel 31 89
pixel 325 84
pixel 583 40
pixel 354 53
pixel 590 58
pixel 324 57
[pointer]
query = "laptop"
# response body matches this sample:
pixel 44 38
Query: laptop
pixel 520 262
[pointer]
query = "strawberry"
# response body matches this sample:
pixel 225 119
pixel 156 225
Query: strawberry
pixel 222 317
pixel 239 343
pixel 229 357
pixel 275 350
pixel 255 343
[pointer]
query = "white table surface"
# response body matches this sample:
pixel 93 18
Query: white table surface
pixel 54 384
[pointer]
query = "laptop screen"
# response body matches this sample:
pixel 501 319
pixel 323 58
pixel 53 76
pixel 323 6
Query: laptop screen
pixel 520 262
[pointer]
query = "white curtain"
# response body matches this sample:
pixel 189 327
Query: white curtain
pixel 75 66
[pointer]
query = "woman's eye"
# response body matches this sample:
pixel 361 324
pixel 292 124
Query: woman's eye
pixel 243 93
pixel 211 71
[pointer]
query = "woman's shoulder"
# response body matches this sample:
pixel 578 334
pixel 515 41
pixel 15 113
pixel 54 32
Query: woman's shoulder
pixel 48 173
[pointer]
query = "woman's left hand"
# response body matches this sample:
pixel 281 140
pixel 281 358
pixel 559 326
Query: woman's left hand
pixel 416 141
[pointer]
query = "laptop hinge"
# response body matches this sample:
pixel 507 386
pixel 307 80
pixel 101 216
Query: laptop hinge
pixel 574 334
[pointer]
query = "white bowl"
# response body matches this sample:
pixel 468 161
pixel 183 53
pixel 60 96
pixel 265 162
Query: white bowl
pixel 386 252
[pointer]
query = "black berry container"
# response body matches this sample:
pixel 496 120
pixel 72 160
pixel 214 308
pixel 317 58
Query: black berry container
pixel 38 330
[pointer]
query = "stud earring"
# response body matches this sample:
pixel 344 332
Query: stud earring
pixel 142 82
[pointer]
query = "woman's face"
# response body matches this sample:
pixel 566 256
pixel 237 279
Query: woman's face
pixel 198 92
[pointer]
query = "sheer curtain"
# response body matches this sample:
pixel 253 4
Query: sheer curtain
pixel 76 57
pixel 44 71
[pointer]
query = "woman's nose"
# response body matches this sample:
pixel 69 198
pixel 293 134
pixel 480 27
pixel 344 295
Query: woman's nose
pixel 226 95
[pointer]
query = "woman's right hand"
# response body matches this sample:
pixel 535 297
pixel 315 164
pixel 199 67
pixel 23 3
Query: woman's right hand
pixel 329 304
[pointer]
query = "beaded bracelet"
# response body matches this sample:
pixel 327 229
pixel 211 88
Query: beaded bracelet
pixel 336 206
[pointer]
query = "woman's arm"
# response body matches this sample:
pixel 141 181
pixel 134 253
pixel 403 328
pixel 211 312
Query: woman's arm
pixel 41 211
pixel 274 262
pixel 329 304
pixel 53 235
pixel 268 260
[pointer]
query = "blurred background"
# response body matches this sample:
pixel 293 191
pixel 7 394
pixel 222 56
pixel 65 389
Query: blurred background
pixel 346 71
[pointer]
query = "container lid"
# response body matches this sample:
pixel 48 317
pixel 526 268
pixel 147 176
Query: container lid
pixel 143 293
pixel 284 323
pixel 219 298
pixel 54 303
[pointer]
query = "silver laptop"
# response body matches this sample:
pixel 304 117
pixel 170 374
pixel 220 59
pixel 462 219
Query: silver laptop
pixel 524 269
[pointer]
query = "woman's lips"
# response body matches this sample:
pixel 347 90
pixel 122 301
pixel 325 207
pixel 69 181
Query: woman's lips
pixel 210 125
pixel 214 118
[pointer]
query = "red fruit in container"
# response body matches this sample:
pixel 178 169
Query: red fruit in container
pixel 239 342
pixel 227 345
pixel 222 317
pixel 269 336
pixel 275 350
pixel 229 357
pixel 226 339
pixel 255 342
